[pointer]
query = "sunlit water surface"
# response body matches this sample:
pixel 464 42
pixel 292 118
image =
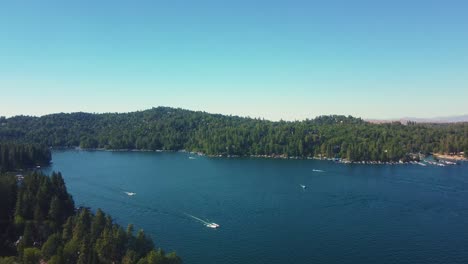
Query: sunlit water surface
pixel 347 213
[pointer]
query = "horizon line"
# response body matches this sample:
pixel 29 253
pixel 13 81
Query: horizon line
pixel 368 119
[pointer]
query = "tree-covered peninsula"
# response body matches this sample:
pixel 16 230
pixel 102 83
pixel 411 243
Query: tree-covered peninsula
pixel 166 128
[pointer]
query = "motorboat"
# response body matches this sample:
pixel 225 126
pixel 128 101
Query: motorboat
pixel 212 225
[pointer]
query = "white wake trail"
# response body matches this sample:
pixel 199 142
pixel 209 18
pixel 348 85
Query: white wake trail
pixel 196 218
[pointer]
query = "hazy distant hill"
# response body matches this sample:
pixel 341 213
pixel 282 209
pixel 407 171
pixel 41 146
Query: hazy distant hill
pixel 446 119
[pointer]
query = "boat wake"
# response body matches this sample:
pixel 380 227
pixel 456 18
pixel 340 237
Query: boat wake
pixel 315 170
pixel 206 223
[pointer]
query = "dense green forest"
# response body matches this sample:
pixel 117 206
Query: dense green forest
pixel 22 156
pixel 39 222
pixel 166 128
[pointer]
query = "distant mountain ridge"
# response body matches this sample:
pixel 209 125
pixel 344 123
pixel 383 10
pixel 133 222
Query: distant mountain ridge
pixel 175 129
pixel 445 119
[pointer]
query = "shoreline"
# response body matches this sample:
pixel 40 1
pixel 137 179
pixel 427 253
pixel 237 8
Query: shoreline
pixel 457 157
pixel 284 157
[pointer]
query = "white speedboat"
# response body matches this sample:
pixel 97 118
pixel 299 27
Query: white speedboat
pixel 303 186
pixel 130 193
pixel 212 225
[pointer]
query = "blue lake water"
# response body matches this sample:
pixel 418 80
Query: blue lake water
pixel 347 213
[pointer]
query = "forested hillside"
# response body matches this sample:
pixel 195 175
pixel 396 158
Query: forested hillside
pixel 39 222
pixel 22 156
pixel 176 129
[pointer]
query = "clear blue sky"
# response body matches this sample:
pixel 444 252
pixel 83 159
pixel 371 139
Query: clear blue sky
pixel 272 59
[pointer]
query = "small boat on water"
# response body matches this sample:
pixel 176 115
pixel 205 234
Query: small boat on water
pixel 191 157
pixel 303 186
pixel 212 225
pixel 130 193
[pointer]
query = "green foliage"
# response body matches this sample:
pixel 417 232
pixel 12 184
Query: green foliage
pixel 31 256
pixel 51 246
pixel 166 128
pixel 8 260
pixel 130 257
pixel 56 259
pixel 8 189
pixel 159 257
pixel 39 218
pixel 20 156
pixel 28 236
pixel 142 244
